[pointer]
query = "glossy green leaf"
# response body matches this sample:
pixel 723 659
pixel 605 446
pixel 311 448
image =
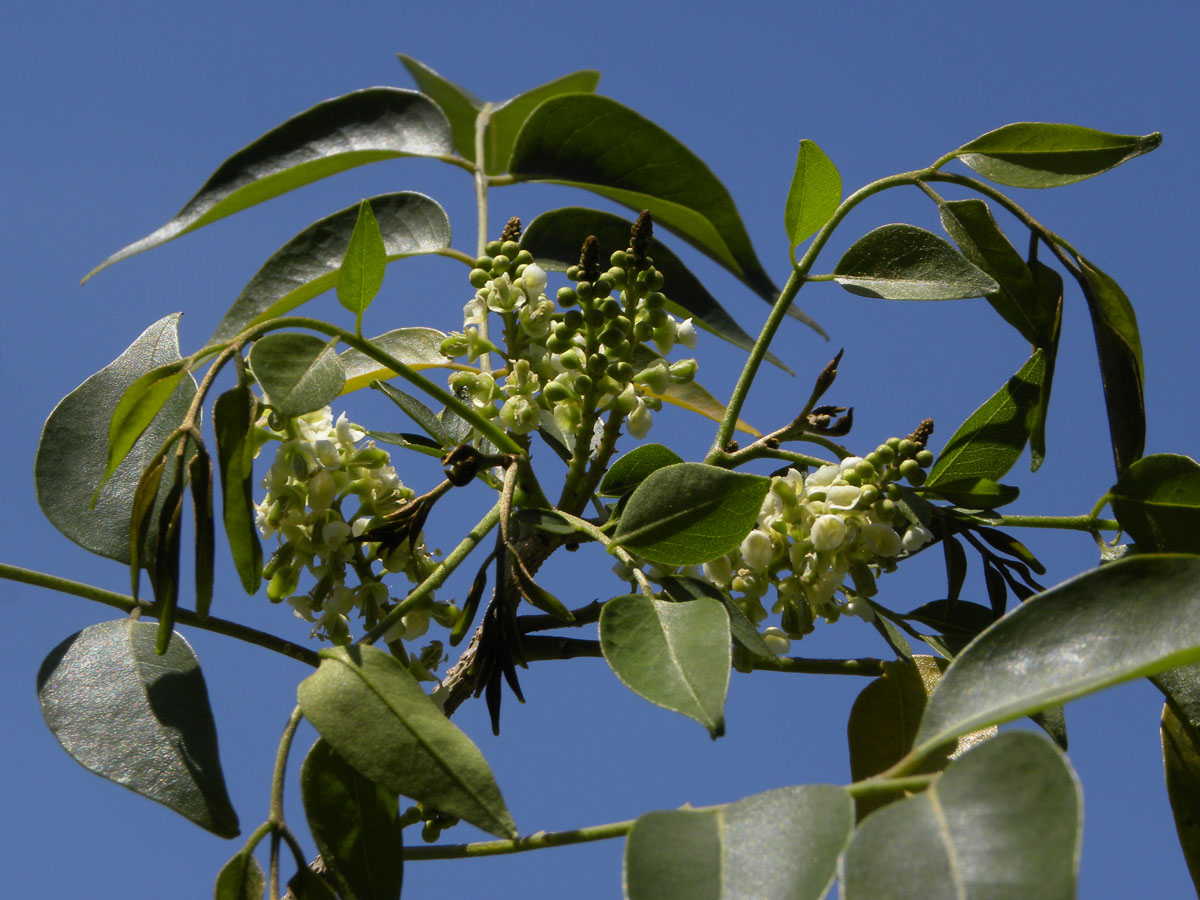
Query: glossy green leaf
pixel 974 492
pixel 242 878
pixel 505 120
pixel 234 415
pixel 137 408
pixel 1181 764
pixel 140 518
pixel 1004 822
pixel 682 588
pixel 903 262
pixel 778 845
pixel 1119 346
pixel 1045 154
pixel 883 722
pixel 355 824
pixel 675 655
pixel 377 718
pixel 813 196
pixel 360 127
pixel 1182 687
pixel 592 142
pixel 425 417
pixel 1138 618
pixel 138 719
pixel 200 477
pixel 970 224
pixel 992 438
pixel 416 347
pixel 1157 502
pixel 696 398
pixel 689 513
pixel 555 238
pixel 459 104
pixel 411 224
pixel 1050 295
pixel 361 275
pixel 298 373
pixel 73 452
pixel 633 468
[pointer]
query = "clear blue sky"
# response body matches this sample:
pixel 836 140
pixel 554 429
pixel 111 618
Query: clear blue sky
pixel 114 114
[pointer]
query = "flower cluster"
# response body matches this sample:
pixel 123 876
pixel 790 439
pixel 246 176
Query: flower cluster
pixel 574 360
pixel 822 538
pixel 324 491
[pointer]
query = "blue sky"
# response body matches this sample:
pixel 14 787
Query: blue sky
pixel 115 116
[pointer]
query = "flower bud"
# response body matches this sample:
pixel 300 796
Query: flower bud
pixel 684 371
pixel 640 421
pixel 916 537
pixel 827 532
pixel 534 279
pixel 777 640
pixel 756 550
pixel 685 334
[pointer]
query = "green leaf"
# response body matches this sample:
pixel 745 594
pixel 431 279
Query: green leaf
pixel 375 715
pixel 361 274
pixel 425 417
pixel 682 588
pixel 1121 370
pixel 505 121
pixel 903 262
pixel 416 347
pixel 200 476
pixel 1044 154
pixel 308 885
pixel 234 415
pixel 1138 618
pixel 884 719
pixel 970 224
pixel 360 127
pixel 676 655
pixel 298 373
pixel 411 224
pixel 633 468
pixel 689 513
pixel 974 493
pixel 555 238
pixel 955 622
pixel 990 441
pixel 1181 762
pixel 460 105
pixel 592 142
pixel 1004 822
pixel 1050 295
pixel 1157 502
pixel 778 845
pixel 813 196
pixel 696 398
pixel 141 402
pixel 138 719
pixel 242 878
pixel 73 452
pixel 355 825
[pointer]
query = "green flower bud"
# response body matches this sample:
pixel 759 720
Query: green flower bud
pixel 656 376
pixel 909 468
pixel 370 458
pixel 567 296
pixel 519 415
pixel 605 285
pixel 485 263
pixel 621 371
pixel 870 495
pixel 586 290
pixel 597 364
pixel 611 308
pixel 866 471
pixel 654 280
pixel 510 248
pixel 617 276
pixel 491 248
pixel 684 371
pixel 907 449
pixel 582 384
pixel 620 259
pixel 573 359
pixel 573 272
pixel 283 583
pixel 454 345
pixel 626 401
pixel 924 458
pixel 556 344
pixel 479 277
pixel 643 331
pixel 556 392
pixel 893 492
pixel 573 319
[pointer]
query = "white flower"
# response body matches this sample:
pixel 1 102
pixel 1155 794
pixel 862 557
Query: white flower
pixel 756 549
pixel 916 537
pixel 827 533
pixel 824 476
pixel 882 539
pixel 640 420
pixel 686 334
pixel 842 496
pixel 719 571
pixel 534 280
pixel 777 640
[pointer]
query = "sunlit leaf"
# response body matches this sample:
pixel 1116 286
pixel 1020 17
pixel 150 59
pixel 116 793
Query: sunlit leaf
pixel 355 824
pixel 73 452
pixel 361 274
pixel 375 715
pixel 990 441
pixel 139 405
pixel 778 845
pixel 813 196
pixel 1119 346
pixel 1138 618
pixel 555 238
pixel 696 398
pixel 1004 822
pixel 1157 502
pixel 459 104
pixel 1045 154
pixel 417 347
pixel 689 513
pixel 974 492
pixel 682 588
pixel 138 719
pixel 299 373
pixel 630 470
pixel 970 224
pixel 903 262
pixel 592 142
pixel 234 415
pixel 506 119
pixel 360 127
pixel 675 655
pixel 411 224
